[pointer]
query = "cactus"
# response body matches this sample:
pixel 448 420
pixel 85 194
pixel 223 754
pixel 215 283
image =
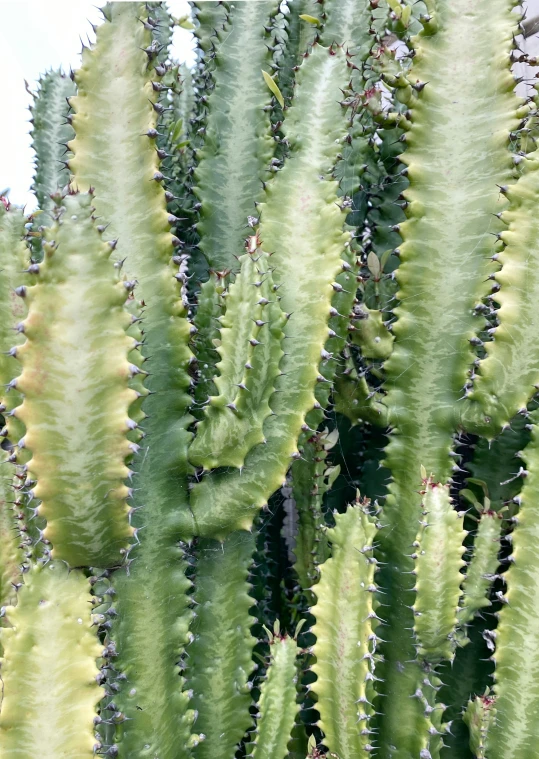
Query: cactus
pixel 243 281
pixel 51 131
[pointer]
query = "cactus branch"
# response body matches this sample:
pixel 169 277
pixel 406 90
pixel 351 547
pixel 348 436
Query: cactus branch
pixel 49 668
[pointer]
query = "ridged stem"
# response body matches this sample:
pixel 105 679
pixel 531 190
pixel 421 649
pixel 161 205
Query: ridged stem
pixel 455 159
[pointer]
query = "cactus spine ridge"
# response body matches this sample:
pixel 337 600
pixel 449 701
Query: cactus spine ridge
pixel 304 235
pixel 346 640
pixel 426 371
pixel 76 395
pixel 219 661
pixel 49 667
pixel 13 260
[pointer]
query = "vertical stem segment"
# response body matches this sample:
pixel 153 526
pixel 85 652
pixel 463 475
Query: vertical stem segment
pixel 114 151
pixel 345 638
pixel 455 159
pixel 219 662
pixel 277 706
pixel 49 668
pixel 13 258
pixel 235 159
pixel 515 730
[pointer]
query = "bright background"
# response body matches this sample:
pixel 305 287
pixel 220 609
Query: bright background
pixel 34 36
pixel 40 34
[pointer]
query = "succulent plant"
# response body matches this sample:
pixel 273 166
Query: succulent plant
pixel 269 368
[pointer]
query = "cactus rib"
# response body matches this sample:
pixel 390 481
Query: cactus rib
pixel 76 395
pixel 49 668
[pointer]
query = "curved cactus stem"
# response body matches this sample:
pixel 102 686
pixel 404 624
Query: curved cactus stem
pixel 75 370
pixel 515 731
pixel 234 161
pixel 426 371
pixel 277 706
pixel 219 658
pixel 250 347
pixel 304 234
pixel 480 714
pixel 51 131
pixel 507 377
pixel 482 567
pixel 438 550
pixel 115 87
pixel 49 668
pixel 345 636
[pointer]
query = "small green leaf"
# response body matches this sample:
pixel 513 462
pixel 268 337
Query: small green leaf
pixel 310 19
pixel 470 497
pixel 184 22
pixel 373 262
pixel 384 258
pixel 273 87
pixel 177 133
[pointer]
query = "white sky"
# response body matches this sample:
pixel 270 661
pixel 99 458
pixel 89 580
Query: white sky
pixel 34 36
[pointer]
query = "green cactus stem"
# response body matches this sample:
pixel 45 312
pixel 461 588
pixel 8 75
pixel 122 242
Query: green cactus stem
pixel 346 640
pixel 219 658
pixel 151 629
pixel 508 376
pixel 51 131
pixel 311 478
pixel 234 161
pixel 438 550
pixel 13 259
pixel 494 463
pixel 515 731
pixel 210 18
pixel 355 399
pixel 75 387
pixel 210 307
pixel 482 567
pixel 49 668
pixel 479 716
pixel 426 372
pixel 277 706
pixel 250 348
pixel 370 333
pixel 303 230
